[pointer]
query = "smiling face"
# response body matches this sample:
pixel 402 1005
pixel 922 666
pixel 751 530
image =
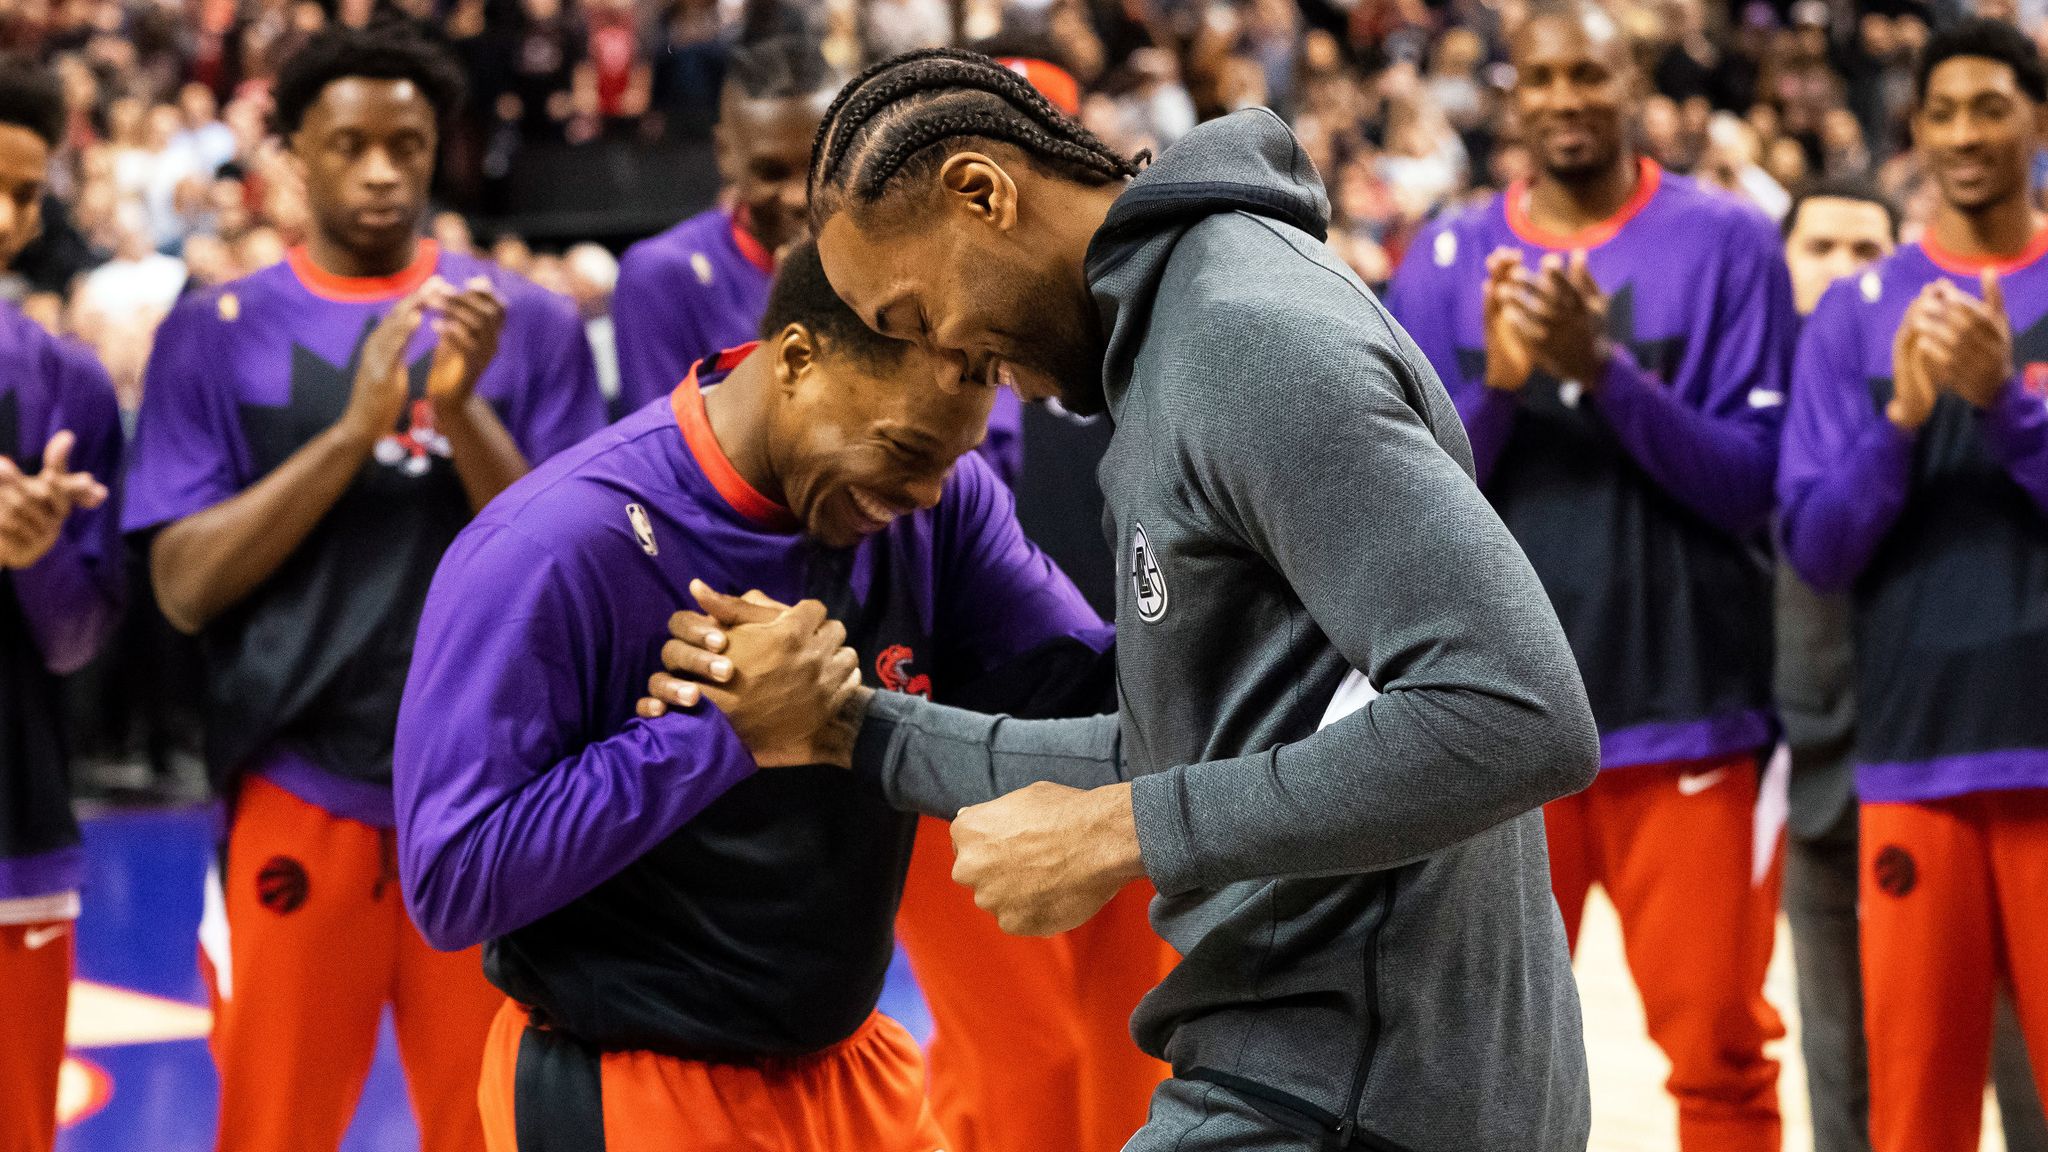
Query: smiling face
pixel 1574 84
pixel 367 147
pixel 764 156
pixel 857 443
pixel 1976 130
pixel 964 274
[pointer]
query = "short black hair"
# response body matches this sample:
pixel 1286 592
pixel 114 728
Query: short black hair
pixel 780 68
pixel 31 98
pixel 1988 40
pixel 892 120
pixel 1855 188
pixel 802 295
pixel 392 50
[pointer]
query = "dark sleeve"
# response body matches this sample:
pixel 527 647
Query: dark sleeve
pixel 1421 298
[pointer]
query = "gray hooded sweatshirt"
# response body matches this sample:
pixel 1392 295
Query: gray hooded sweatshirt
pixel 1344 696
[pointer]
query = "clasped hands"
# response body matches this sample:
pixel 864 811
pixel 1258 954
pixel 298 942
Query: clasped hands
pixel 1553 319
pixel 1950 342
pixel 1042 859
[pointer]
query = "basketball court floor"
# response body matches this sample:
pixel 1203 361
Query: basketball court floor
pixel 139 1079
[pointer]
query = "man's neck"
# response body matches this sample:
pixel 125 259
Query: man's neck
pixel 1562 207
pixel 335 259
pixel 1997 231
pixel 738 411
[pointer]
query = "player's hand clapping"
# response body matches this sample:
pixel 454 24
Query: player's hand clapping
pixel 381 389
pixel 781 674
pixel 1562 316
pixel 33 508
pixel 1964 344
pixel 1508 362
pixel 469 324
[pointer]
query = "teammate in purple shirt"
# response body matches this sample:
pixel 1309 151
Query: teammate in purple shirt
pixel 1616 339
pixel 701 287
pixel 1916 477
pixel 312 438
pixel 670 914
pixel 60 594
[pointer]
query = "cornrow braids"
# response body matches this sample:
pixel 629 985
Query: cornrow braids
pixel 887 123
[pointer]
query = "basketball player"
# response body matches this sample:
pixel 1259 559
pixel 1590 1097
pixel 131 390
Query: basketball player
pixel 1329 756
pixel 1916 477
pixel 312 438
pixel 60 597
pixel 1030 1048
pixel 699 288
pixel 693 938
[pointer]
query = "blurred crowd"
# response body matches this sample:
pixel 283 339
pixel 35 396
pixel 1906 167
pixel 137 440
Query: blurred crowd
pixel 171 176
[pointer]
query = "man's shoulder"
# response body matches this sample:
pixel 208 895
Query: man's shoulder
pixel 1241 282
pixel 689 247
pixel 525 301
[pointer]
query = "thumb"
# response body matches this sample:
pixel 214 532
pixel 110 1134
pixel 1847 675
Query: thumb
pixel 57 454
pixel 1994 292
pixel 730 611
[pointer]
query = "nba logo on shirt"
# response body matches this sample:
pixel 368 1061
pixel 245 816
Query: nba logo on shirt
pixel 1147 581
pixel 643 528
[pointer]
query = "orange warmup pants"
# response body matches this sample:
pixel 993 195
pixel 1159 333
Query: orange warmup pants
pixel 35 989
pixel 318 942
pixel 1672 845
pixel 1032 1048
pixel 1955 898
pixel 543 1091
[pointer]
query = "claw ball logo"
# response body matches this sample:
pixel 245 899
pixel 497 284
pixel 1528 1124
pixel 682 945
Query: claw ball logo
pixel 892 669
pixel 282 885
pixel 1148 583
pixel 1896 872
pixel 412 452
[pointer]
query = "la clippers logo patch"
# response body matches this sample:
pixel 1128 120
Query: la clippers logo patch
pixel 282 885
pixel 1896 873
pixel 892 668
pixel 1148 583
pixel 643 529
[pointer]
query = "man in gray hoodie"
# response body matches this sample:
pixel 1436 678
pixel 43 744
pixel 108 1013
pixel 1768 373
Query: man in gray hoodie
pixel 1344 694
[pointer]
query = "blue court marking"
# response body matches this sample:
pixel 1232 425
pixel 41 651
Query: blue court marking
pixel 145 874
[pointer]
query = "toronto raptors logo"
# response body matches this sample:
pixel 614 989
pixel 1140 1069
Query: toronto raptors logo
pixel 892 669
pixel 410 452
pixel 1148 583
pixel 282 885
pixel 1896 872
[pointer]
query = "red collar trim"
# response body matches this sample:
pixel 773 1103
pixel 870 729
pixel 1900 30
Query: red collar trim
pixel 1957 265
pixel 364 289
pixel 1650 175
pixel 756 253
pixel 688 402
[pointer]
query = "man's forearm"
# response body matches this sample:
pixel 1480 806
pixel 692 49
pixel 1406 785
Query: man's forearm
pixel 209 561
pixel 486 457
pixel 937 760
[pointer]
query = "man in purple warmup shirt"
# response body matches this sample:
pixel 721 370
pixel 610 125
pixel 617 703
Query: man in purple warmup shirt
pixel 310 442
pixel 662 906
pixel 1616 339
pixel 700 287
pixel 60 595
pixel 1916 478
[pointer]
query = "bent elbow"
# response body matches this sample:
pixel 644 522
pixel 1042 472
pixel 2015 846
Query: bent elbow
pixel 437 921
pixel 1569 757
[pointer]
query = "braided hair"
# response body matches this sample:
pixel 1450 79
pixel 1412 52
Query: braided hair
pixel 889 122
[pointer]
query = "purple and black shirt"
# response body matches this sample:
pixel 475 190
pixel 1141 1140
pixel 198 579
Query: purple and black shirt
pixel 1940 535
pixel 640 883
pixel 304 676
pixel 1641 501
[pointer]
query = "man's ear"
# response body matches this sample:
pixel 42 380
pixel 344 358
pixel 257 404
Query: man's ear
pixel 796 350
pixel 975 184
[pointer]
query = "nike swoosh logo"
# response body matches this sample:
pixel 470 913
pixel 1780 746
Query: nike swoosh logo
pixel 35 938
pixel 1694 785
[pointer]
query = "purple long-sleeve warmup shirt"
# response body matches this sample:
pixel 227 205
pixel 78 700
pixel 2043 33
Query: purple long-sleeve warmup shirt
pixel 639 881
pixel 1941 534
pixel 55 613
pixel 701 287
pixel 304 675
pixel 1640 498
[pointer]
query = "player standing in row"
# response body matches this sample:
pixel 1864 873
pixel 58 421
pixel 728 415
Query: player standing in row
pixel 699 288
pixel 1916 476
pixel 1616 338
pixel 693 947
pixel 60 597
pixel 312 439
